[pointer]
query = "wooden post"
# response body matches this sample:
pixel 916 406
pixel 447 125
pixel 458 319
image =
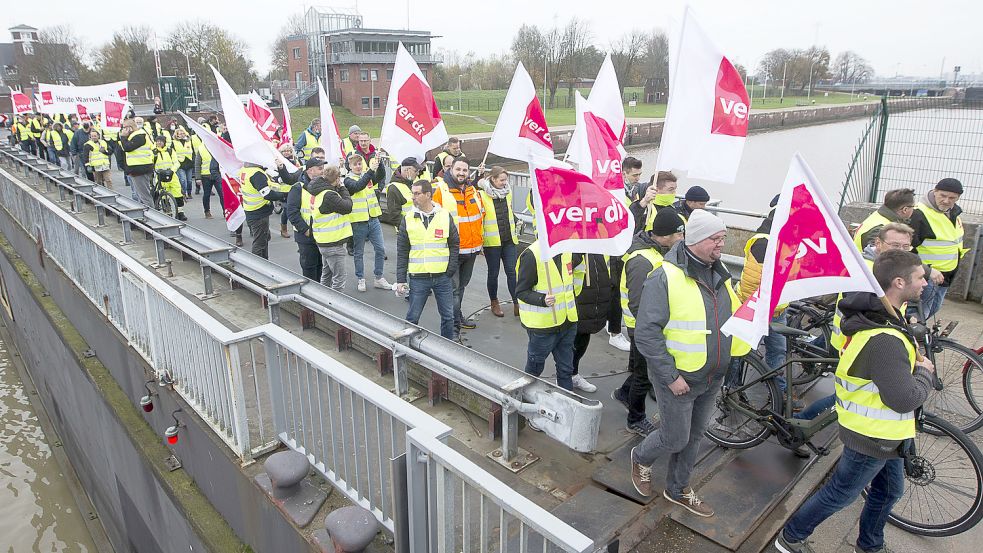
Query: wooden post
pixel 549 285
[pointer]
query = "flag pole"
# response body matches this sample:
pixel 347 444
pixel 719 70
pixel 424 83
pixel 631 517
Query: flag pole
pixel 534 189
pixel 549 285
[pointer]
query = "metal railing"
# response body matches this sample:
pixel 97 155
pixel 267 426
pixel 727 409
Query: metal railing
pixel 348 427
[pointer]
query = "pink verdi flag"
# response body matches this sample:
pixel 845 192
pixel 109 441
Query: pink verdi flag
pixel 521 130
pixel 113 112
pixel 262 115
pixel 599 152
pixel 606 104
pixel 810 253
pixel 20 101
pixel 412 124
pixel 576 214
pixel 235 215
pixel 709 110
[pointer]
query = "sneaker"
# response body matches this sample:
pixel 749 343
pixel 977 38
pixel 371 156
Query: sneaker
pixel 786 546
pixel 620 398
pixel 691 502
pixel 469 324
pixel 619 341
pixel 208 215
pixel 361 285
pixel 643 427
pixel 641 476
pixel 582 383
pixel 382 283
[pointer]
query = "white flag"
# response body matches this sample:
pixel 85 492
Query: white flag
pixel 330 135
pixel 412 125
pixel 598 151
pixel 521 130
pixel 708 113
pixel 605 100
pixel 285 133
pixel 251 145
pixel 810 253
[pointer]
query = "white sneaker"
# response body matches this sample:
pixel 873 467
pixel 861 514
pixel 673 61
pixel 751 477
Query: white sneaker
pixel 382 283
pixel 619 341
pixel 361 285
pixel 582 383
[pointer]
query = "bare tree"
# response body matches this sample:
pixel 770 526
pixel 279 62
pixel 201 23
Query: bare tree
pixel 799 66
pixel 529 47
pixel 627 54
pixel 55 58
pixel 851 67
pixel 655 61
pixel 200 44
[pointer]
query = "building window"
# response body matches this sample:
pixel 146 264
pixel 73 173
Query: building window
pixel 296 53
pixel 299 77
pixel 344 75
pixel 389 74
pixel 424 71
pixel 363 74
pixel 375 102
pixel 365 102
pixel 28 49
pixel 375 74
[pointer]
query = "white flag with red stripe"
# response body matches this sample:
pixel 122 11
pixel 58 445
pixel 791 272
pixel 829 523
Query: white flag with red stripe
pixel 251 145
pixel 521 130
pixel 286 133
pixel 330 134
pixel 709 110
pixel 262 115
pixel 599 151
pixel 232 209
pixel 20 102
pixel 606 104
pixel 810 253
pixel 229 166
pixel 412 125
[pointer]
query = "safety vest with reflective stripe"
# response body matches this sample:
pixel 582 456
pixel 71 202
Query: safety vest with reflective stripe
pixel 429 251
pixel 144 155
pixel 36 128
pixel 326 228
pixel 365 204
pixel 655 258
pixel 565 308
pixel 110 134
pixel 310 143
pixel 205 166
pixel 56 139
pixel 875 219
pixel 836 337
pixel 251 198
pixel 23 132
pixel 183 150
pixel 686 332
pixel 467 212
pixel 653 209
pixel 489 223
pixel 165 160
pixel 942 252
pixel 348 145
pixel 96 157
pixel 858 401
pixel 407 197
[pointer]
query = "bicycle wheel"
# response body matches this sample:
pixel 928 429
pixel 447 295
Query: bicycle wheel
pixel 944 491
pixel 729 425
pixel 801 347
pixel 961 373
pixel 167 204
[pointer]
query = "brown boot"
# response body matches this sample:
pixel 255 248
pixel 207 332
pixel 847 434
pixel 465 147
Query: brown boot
pixel 515 309
pixel 239 241
pixel 496 309
pixel 283 231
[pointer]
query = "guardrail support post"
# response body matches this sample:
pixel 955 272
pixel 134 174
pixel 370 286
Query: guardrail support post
pixel 101 216
pixel 206 278
pixel 274 309
pixel 160 247
pixel 61 193
pixel 127 232
pixel 400 374
pixel 77 203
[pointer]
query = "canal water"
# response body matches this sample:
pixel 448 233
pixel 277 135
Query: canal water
pixel 37 509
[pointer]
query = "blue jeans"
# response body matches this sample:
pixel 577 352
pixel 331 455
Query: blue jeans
pixel 368 230
pixel 813 409
pixel 465 268
pixel 186 178
pixel 560 344
pixel 932 296
pixel 443 290
pixel 207 182
pixel 496 257
pixel 853 472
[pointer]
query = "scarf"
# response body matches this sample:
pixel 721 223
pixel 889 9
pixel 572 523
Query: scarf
pixel 495 193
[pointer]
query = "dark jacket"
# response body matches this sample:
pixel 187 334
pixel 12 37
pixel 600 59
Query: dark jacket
pixel 595 297
pixel 502 220
pixel 682 208
pixel 527 274
pixel 403 245
pixel 79 138
pixel 884 361
pixel 131 143
pixel 923 231
pixel 290 178
pixel 261 181
pixel 337 200
pixel 653 315
pixel 637 271
pixel 891 215
pixel 394 198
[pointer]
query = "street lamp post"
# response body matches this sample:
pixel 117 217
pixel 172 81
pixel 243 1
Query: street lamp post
pixel 809 95
pixel 218 64
pixel 459 101
pixel 784 71
pixel 373 75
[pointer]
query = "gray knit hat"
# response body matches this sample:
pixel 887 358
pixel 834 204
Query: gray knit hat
pixel 702 225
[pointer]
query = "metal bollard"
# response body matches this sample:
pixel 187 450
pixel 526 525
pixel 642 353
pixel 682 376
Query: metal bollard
pixel 347 530
pixel 285 482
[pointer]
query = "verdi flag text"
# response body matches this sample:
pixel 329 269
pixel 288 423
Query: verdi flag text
pixel 521 130
pixel 412 125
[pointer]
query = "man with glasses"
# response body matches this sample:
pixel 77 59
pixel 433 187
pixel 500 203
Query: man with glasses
pixel 898 207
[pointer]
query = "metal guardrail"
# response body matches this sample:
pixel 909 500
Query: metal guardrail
pixel 349 428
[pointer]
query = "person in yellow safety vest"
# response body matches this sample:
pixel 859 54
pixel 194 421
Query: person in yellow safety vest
pixel 898 207
pixel 451 150
pixel 499 240
pixel 204 175
pixel 165 168
pixel 184 152
pixel 138 151
pixel 362 185
pixel 324 205
pixel 631 173
pixel 350 142
pixel 95 156
pixel 640 261
pixel 659 194
pixel 59 146
pixel 683 305
pixel 22 129
pixel 399 198
pixel 548 312
pixel 34 122
pixel 259 192
pixel 939 240
pixel 879 383
pixel 594 293
pixel 696 198
pixel 309 139
pixel 426 258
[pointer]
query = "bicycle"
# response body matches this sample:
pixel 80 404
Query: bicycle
pixel 942 461
pixel 164 201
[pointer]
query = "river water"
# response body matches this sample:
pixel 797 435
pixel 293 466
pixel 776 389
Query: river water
pixel 37 509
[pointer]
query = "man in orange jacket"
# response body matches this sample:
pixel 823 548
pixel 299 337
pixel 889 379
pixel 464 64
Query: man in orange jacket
pixel 460 198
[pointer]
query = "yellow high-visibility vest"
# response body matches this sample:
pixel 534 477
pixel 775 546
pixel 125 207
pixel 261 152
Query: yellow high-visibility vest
pixel 144 155
pixel 565 308
pixel 407 196
pixel 655 258
pixel 251 198
pixel 489 223
pixel 365 204
pixel 875 219
pixel 96 157
pixel 326 228
pixel 429 251
pixel 859 406
pixel 944 251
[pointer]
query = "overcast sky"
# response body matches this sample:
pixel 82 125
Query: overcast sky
pixel 907 37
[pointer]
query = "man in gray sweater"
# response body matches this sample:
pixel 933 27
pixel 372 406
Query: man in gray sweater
pixel 879 383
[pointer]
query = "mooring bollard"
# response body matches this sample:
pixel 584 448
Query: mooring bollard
pixel 349 530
